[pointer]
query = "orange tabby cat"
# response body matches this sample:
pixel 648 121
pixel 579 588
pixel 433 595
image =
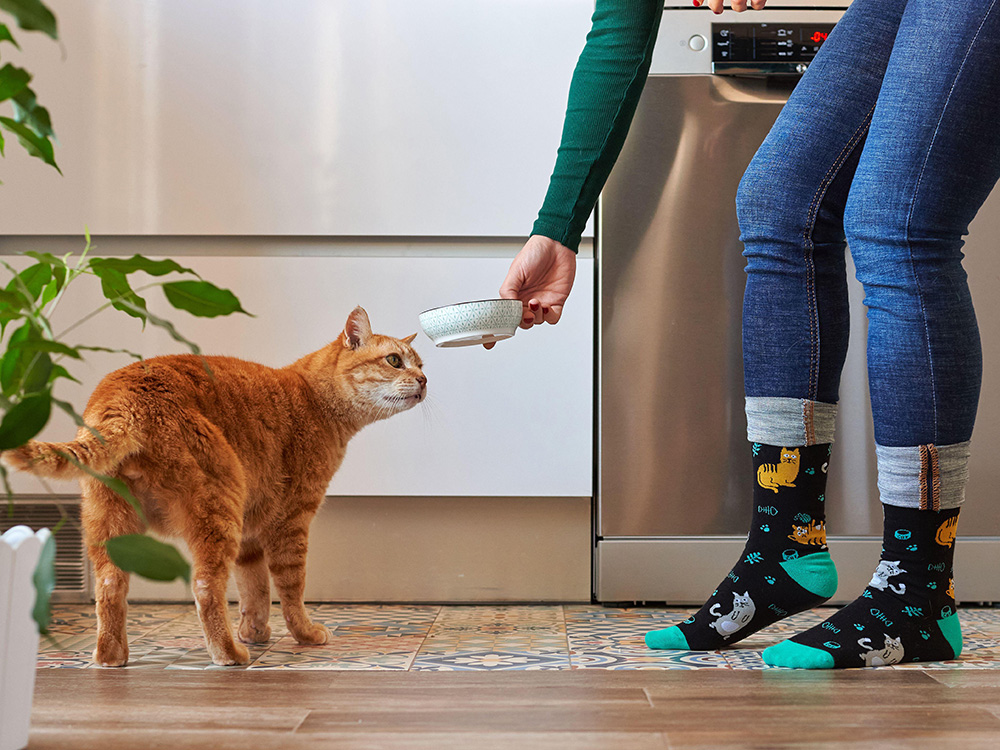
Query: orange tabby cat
pixel 236 463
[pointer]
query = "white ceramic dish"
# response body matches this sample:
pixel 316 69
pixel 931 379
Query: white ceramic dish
pixel 471 323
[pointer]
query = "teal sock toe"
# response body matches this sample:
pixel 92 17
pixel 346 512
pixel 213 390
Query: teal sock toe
pixel 669 638
pixel 797 656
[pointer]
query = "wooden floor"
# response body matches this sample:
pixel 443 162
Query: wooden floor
pixel 631 710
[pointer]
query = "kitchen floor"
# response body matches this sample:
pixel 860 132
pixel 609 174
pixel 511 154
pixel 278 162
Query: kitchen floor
pixel 498 677
pixel 418 638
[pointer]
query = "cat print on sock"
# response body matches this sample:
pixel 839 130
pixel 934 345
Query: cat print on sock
pixel 887 569
pixel 740 616
pixel 781 474
pixel 891 653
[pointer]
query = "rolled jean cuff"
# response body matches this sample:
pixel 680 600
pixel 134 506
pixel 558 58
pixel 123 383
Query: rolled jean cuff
pixel 789 421
pixel 928 477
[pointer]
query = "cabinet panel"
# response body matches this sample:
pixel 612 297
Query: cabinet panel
pixel 514 421
pixel 306 117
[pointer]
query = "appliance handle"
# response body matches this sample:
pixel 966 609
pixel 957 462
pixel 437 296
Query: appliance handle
pixel 748 90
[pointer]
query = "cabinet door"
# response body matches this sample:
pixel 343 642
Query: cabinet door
pixel 513 421
pixel 300 117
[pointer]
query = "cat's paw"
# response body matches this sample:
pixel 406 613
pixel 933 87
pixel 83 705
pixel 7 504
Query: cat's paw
pixel 234 655
pixel 250 632
pixel 110 653
pixel 314 635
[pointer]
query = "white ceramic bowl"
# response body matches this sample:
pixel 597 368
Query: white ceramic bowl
pixel 471 323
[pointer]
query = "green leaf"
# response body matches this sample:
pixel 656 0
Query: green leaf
pixel 5 36
pixel 140 263
pixel 115 485
pixel 31 15
pixel 11 365
pixel 49 292
pixel 12 299
pixel 23 370
pixel 36 145
pixel 38 372
pixel 45 583
pixel 165 325
pixel 133 355
pixel 58 371
pixel 119 293
pixel 147 557
pixel 202 298
pixel 33 279
pixel 44 345
pixel 12 81
pixel 25 420
pixel 47 258
pixel 27 110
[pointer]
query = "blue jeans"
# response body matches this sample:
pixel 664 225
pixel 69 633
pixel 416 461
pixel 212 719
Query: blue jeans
pixel 889 145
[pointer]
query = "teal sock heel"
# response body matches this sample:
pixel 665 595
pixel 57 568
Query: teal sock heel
pixel 952 631
pixel 815 573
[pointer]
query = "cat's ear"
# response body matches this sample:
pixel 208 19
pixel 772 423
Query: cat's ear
pixel 358 329
pixel 409 339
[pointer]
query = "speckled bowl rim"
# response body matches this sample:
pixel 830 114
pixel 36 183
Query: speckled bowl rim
pixel 472 302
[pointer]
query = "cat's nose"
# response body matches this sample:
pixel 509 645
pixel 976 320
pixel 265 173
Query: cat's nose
pixel 421 380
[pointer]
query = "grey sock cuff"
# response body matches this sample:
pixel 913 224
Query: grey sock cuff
pixel 789 421
pixel 929 477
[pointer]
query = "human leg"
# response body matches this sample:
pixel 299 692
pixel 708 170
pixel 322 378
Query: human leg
pixel 931 158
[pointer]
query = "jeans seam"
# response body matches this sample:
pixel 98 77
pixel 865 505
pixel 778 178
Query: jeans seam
pixel 808 246
pixel 913 203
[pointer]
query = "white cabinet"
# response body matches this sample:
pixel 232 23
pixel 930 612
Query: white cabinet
pixel 514 421
pixel 300 117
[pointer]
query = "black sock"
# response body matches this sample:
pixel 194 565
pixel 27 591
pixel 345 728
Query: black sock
pixel 907 612
pixel 785 567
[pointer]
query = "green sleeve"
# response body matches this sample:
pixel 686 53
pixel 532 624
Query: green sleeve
pixel 603 96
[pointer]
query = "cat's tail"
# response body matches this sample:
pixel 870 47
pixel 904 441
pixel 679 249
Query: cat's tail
pixel 101 452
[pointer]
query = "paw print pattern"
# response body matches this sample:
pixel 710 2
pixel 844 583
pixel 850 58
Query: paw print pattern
pixel 810 470
pixel 753 557
pixel 924 634
pixel 932 585
pixel 858 627
pixel 769 579
pixel 765 528
pixel 822 498
pixel 912 548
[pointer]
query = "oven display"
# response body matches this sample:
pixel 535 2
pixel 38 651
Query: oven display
pixel 767 42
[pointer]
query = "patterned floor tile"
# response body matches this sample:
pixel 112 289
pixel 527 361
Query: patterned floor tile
pixel 744 658
pixel 490 661
pixel 646 659
pixel 450 638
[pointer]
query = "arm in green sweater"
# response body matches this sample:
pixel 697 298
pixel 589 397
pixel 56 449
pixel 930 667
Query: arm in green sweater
pixel 603 95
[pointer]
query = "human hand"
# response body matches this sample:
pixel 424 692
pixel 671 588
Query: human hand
pixel 738 5
pixel 541 276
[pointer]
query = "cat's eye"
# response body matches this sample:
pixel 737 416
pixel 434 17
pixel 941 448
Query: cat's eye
pixel 395 360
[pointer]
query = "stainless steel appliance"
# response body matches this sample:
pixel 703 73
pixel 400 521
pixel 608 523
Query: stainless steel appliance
pixel 674 480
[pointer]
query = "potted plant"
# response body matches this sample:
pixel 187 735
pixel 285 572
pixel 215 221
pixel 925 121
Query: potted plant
pixel 34 358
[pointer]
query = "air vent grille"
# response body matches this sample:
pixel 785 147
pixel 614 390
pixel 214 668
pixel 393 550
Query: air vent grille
pixel 72 578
